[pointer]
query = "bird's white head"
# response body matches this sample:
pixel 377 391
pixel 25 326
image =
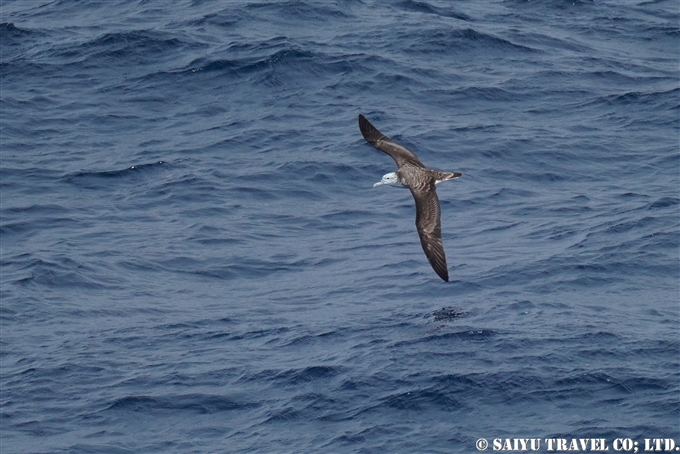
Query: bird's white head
pixel 388 178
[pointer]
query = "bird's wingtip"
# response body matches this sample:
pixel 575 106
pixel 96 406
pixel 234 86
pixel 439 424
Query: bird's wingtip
pixel 364 124
pixel 370 132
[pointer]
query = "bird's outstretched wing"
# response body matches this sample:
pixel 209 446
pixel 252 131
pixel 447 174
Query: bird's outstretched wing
pixel 400 154
pixel 428 223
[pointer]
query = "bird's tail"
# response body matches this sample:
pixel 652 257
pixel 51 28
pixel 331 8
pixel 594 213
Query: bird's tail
pixel 443 176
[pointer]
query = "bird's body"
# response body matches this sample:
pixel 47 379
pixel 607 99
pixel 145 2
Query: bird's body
pixel 421 181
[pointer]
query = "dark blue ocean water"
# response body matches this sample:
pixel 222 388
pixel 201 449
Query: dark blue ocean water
pixel 194 258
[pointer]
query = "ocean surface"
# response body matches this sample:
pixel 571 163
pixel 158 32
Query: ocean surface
pixel 194 258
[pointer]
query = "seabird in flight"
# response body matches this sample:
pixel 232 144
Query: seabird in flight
pixel 421 181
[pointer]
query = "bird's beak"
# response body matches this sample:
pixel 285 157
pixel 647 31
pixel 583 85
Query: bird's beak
pixel 379 183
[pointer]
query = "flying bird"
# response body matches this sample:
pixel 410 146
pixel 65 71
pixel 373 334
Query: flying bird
pixel 421 181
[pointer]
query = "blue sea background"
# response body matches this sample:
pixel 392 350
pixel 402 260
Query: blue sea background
pixel 194 258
